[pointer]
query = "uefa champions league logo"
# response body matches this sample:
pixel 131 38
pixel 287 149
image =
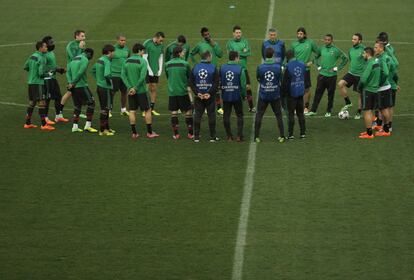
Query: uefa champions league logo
pixel 229 76
pixel 297 72
pixel 269 76
pixel 203 74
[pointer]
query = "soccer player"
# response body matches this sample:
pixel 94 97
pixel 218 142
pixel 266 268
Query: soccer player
pixel 204 81
pixel 393 78
pixel 208 44
pixel 102 73
pixel 241 45
pixel 268 75
pixel 35 65
pixel 182 42
pixel 134 73
pixel 73 49
pixel 120 55
pixel 303 49
pixel 294 85
pixel 369 84
pixel 52 85
pixel 81 94
pixel 384 94
pixel 154 50
pixel 178 72
pixel 356 68
pixel 326 61
pixel 233 90
pixel 277 45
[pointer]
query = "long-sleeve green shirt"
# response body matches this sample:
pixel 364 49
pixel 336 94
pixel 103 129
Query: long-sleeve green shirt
pixel 76 72
pixel 72 50
pixel 36 66
pixel 178 72
pixel 134 73
pixel 202 47
pixel 102 72
pixel 303 50
pixel 242 47
pixel 154 54
pixel 386 66
pixel 327 58
pixel 119 57
pixel 370 78
pixel 171 47
pixel 357 62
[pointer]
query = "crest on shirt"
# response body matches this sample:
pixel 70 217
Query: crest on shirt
pixel 269 76
pixel 203 74
pixel 229 76
pixel 297 72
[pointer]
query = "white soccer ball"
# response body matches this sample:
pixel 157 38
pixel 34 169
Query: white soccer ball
pixel 343 115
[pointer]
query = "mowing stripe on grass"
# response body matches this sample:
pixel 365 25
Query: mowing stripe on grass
pixel 248 188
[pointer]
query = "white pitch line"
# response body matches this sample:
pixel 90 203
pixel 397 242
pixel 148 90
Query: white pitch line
pixel 248 117
pixel 248 188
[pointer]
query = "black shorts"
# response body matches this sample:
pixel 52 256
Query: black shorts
pixel 37 92
pixel 118 85
pixel 181 102
pixel 369 100
pixel 308 83
pixel 104 96
pixel 82 95
pixel 394 96
pixel 351 80
pixel 152 79
pixel 384 99
pixel 138 100
pixel 53 89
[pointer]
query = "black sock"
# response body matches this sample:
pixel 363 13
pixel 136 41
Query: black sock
pixel 102 122
pixel 359 111
pixel 379 121
pixel 386 127
pixel 134 129
pixel 369 131
pixel 29 115
pixel 189 122
pixel 174 124
pixel 149 128
pixel 389 124
pixel 347 100
pixel 42 113
pixel 307 105
pixel 152 105
pixel 61 108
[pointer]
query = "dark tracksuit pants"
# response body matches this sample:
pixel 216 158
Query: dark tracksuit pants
pixel 261 109
pixel 238 108
pixel 199 107
pixel 296 104
pixel 328 83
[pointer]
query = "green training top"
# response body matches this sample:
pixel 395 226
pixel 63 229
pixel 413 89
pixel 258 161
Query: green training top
pixel 134 73
pixel 385 63
pixel 171 47
pixel 327 58
pixel 72 50
pixel 118 59
pixel 303 50
pixel 242 47
pixel 204 46
pixel 51 64
pixel 102 72
pixel 178 72
pixel 154 53
pixel 370 78
pixel 36 65
pixel 76 72
pixel 356 60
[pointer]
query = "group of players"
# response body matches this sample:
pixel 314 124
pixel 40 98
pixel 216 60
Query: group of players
pixel 283 77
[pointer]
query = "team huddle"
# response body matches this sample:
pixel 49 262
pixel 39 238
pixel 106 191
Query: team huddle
pixel 283 77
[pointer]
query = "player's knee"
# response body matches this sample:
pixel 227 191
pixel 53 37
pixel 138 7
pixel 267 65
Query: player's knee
pixel 342 83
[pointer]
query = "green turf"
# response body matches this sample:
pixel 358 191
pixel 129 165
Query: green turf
pixel 85 207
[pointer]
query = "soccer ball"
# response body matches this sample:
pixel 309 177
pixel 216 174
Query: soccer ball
pixel 343 115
